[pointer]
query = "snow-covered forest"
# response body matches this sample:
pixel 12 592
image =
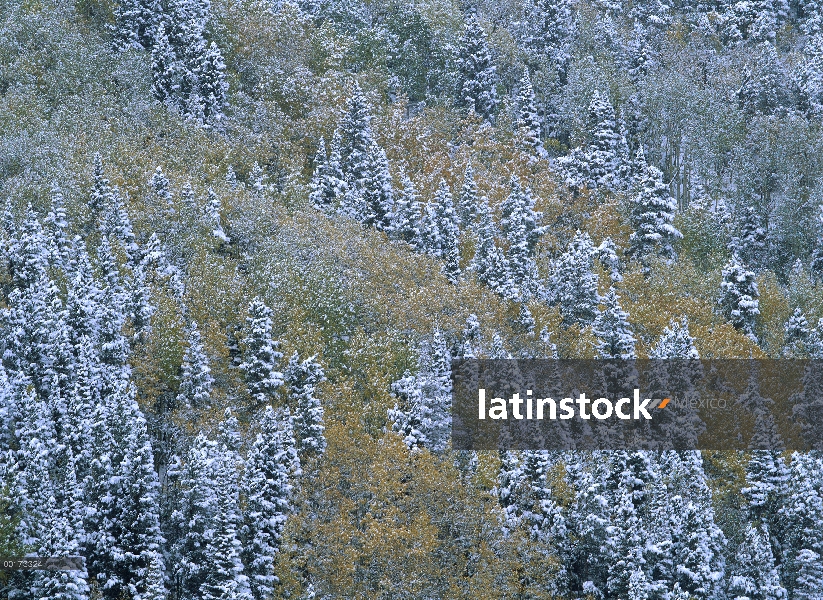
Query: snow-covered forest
pixel 242 240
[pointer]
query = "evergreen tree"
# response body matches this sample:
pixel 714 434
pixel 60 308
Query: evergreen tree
pixel 755 576
pixel 573 284
pixel 488 263
pixel 213 219
pixel 528 119
pixel 796 334
pixel 810 576
pixel 271 467
pixel 261 354
pixel 213 86
pixel 552 32
pixel 752 241
pixel 355 140
pixel 652 216
pixel 377 190
pixel 739 296
pixel 519 224
pixel 136 21
pixel 603 160
pixel 302 378
pixel 196 380
pixel 407 213
pixel 164 67
pixel 477 83
pixel 425 419
pixel 468 204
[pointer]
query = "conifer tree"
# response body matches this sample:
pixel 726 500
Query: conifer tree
pixel 468 204
pixel 260 354
pixel 755 575
pixel 796 334
pixel 752 241
pixel 810 576
pixel 302 377
pixel 196 380
pixel 136 21
pixel 528 119
pixel 739 296
pixel 573 284
pixel 652 216
pixel 377 190
pixel 271 467
pixel 213 86
pixel 213 219
pixel 488 263
pixel 477 85
pixel 355 140
pixel 553 30
pixel 407 213
pixel 425 418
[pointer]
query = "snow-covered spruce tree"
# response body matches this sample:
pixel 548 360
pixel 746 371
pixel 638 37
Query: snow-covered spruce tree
pixel 520 225
pixel 488 262
pixel 56 227
pixel 616 344
pixel 136 22
pixel 328 186
pixel 196 380
pixel 260 356
pixel 425 417
pixel 801 512
pixel 100 196
pixel 807 76
pixel 271 466
pixel 626 543
pixel 440 232
pixel 796 334
pixel 377 190
pixel 755 575
pixel 477 77
pixel 213 218
pixel 302 377
pixel 652 215
pixel 224 575
pixel 165 67
pixel 159 185
pixel 551 34
pixel 574 284
pixel 407 213
pixel 752 241
pixel 603 161
pixel 528 119
pixel 739 296
pixel 213 86
pixel 356 140
pixel 468 203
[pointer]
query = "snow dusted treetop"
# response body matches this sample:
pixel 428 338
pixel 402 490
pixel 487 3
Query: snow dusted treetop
pixel 738 296
pixel 652 215
pixel 477 74
pixel 528 119
pixel 261 355
pixel 573 284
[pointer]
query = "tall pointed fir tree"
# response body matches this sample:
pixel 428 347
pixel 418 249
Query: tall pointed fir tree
pixel 440 232
pixel 196 380
pixel 573 283
pixel 271 467
pixel 356 140
pixel 302 377
pixel 652 217
pixel 751 245
pixel 488 262
pixel 424 420
pixel 213 218
pixel 528 119
pixel 377 190
pixel 739 296
pixel 477 74
pixel 468 203
pixel 755 575
pixel 603 160
pixel 551 32
pixel 136 21
pixel 520 225
pixel 796 335
pixel 260 355
pixel 407 213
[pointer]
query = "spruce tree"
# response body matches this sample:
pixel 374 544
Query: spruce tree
pixel 528 119
pixel 552 32
pixel 755 575
pixel 196 380
pixel 468 203
pixel 260 355
pixel 213 218
pixel 355 140
pixel 302 377
pixel 425 417
pixel 377 190
pixel 271 467
pixel 488 262
pixel 407 213
pixel 477 83
pixel 573 284
pixel 652 215
pixel 739 296
pixel 136 21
